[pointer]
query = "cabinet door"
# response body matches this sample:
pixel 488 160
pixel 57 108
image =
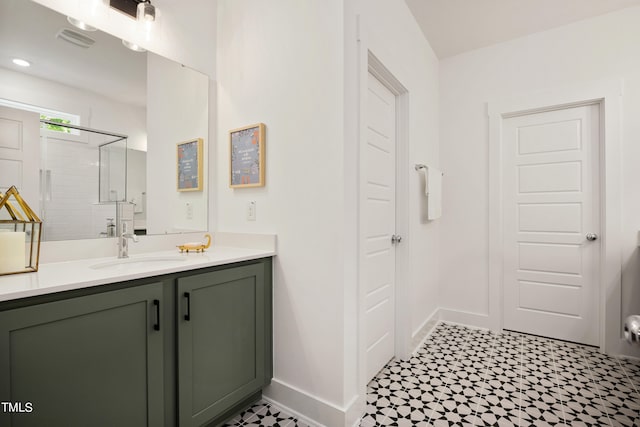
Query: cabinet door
pixel 221 347
pixel 93 360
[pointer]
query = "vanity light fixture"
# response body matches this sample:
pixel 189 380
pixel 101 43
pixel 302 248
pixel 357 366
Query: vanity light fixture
pixel 80 24
pixel 21 62
pixel 141 10
pixel 134 47
pixel 146 11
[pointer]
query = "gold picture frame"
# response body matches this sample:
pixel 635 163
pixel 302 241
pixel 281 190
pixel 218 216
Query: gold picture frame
pixel 246 156
pixel 189 165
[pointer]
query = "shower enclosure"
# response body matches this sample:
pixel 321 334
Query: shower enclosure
pixel 83 174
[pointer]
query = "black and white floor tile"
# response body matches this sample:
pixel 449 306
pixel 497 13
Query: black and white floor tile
pixel 467 377
pixel 264 413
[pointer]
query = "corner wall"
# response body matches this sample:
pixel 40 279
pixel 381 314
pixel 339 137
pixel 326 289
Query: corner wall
pixel 602 48
pixel 289 65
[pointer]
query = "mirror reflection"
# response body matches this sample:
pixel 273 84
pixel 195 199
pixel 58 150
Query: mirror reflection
pixel 100 123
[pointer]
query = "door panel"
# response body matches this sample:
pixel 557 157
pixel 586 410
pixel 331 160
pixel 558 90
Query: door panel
pixel 551 258
pixel 550 177
pixel 549 138
pixel 550 297
pixel 89 360
pixel 550 217
pixel 379 225
pixel 221 341
pixel 20 153
pixel 550 202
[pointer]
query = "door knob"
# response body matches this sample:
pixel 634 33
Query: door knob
pixel 396 239
pixel 591 237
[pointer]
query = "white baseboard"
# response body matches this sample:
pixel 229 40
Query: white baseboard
pixel 483 321
pixel 317 411
pixel 288 410
pixel 321 413
pixel 626 350
pixel 420 334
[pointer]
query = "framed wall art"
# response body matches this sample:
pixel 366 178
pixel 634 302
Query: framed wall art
pixel 189 160
pixel 247 152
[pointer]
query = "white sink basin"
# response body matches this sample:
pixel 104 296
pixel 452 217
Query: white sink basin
pixel 136 262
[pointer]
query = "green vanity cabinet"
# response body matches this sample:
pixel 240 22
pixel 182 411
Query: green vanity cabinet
pixel 88 360
pixel 184 349
pixel 223 325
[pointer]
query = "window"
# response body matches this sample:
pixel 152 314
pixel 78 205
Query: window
pixel 48 114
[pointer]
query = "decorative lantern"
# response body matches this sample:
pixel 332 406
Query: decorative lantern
pixel 20 232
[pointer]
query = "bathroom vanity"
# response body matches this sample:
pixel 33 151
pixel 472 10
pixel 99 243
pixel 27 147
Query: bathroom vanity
pixel 150 341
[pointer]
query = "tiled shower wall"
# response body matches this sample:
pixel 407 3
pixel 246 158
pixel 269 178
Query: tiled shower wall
pixel 74 188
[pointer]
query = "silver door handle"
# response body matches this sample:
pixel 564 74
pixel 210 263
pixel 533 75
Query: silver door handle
pixel 591 237
pixel 396 239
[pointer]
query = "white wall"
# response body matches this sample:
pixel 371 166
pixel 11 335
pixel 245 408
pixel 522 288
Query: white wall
pixel 603 48
pixel 177 111
pixel 280 63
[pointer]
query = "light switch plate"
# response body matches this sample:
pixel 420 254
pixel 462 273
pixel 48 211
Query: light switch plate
pixel 251 210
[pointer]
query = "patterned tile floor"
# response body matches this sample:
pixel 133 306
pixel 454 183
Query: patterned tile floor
pixel 468 377
pixel 264 413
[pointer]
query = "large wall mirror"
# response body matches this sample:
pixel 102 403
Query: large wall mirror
pixel 91 122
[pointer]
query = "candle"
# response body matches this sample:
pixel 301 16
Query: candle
pixel 12 252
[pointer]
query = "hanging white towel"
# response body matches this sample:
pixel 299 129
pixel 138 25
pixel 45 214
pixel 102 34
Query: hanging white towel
pixel 433 191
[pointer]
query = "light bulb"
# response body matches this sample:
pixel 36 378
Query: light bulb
pixel 21 62
pixel 133 46
pixel 80 24
pixel 146 12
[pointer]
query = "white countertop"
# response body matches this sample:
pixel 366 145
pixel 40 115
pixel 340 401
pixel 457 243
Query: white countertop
pixel 64 276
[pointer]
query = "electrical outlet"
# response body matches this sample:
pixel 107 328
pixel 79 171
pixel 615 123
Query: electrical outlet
pixel 251 211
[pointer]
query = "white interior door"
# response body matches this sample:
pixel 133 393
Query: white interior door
pixel 20 153
pixel 378 216
pixel 551 204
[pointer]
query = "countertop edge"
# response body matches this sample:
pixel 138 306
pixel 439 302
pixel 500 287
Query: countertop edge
pixel 117 277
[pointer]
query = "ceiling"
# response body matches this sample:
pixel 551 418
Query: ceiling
pixel 28 30
pixel 456 26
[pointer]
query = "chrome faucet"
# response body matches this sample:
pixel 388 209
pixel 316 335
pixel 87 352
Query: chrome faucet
pixel 123 241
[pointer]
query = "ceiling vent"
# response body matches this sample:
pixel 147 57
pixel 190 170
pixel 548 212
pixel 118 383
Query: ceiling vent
pixel 75 38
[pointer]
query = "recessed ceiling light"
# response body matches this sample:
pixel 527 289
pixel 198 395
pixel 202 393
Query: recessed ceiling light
pixel 21 62
pixel 80 24
pixel 133 46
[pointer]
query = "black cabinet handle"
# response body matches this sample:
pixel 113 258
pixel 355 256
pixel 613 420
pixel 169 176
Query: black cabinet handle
pixel 187 315
pixel 157 324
